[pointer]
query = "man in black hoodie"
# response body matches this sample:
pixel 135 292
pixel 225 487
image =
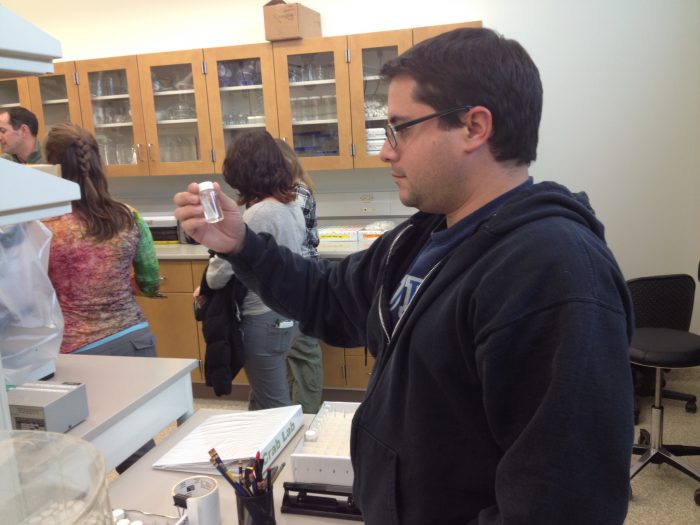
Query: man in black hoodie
pixel 498 318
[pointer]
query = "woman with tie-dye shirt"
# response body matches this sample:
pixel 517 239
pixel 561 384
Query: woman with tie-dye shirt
pixel 94 251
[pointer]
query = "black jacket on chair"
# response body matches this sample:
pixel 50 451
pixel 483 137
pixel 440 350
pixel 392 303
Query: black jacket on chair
pixel 220 315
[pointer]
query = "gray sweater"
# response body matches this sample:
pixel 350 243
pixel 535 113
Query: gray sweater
pixel 285 222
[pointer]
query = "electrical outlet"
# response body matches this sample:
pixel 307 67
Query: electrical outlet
pixel 366 197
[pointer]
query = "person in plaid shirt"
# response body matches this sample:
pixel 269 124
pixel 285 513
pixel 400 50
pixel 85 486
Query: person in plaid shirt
pixel 304 360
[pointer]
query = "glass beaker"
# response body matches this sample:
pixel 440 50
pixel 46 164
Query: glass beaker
pixel 49 477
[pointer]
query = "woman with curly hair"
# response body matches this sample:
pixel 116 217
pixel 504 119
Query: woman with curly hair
pixel 257 170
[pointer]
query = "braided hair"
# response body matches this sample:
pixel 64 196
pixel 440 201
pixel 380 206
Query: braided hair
pixel 76 150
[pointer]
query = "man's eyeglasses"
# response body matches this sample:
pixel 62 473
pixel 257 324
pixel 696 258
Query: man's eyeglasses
pixel 391 131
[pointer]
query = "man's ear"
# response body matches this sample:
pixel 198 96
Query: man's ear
pixel 478 127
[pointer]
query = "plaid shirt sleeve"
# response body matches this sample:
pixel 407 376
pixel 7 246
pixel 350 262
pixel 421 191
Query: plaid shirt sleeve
pixel 306 201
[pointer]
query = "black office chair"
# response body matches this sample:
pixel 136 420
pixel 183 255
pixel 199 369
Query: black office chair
pixel 663 307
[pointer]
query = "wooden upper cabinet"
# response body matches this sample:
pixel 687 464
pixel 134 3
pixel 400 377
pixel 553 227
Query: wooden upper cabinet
pixel 313 100
pixel 110 103
pixel 54 97
pixel 423 33
pixel 241 93
pixel 14 92
pixel 369 92
pixel 176 116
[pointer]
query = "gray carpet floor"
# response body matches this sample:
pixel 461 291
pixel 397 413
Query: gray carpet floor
pixel 661 494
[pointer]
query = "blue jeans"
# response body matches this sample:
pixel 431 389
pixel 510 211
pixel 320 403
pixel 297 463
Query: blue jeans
pixel 266 344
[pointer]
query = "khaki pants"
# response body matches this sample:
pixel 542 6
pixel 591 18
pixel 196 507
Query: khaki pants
pixel 305 373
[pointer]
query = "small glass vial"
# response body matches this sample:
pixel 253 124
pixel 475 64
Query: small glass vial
pixel 210 202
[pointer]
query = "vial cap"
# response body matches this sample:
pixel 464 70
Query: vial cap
pixel 206 185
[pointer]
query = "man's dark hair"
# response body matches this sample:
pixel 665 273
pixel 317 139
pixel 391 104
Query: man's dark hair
pixel 254 165
pixel 478 67
pixel 19 115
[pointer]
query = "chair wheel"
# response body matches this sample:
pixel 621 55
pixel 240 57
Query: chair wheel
pixel 691 407
pixel 697 496
pixel 644 437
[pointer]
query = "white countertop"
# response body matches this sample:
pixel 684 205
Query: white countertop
pixel 327 250
pixel 129 399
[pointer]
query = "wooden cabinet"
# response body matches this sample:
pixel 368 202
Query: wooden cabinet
pixel 369 91
pixel 345 367
pixel 110 103
pixel 54 97
pixel 14 92
pixel 313 100
pixel 171 318
pixel 241 93
pixel 149 113
pixel 176 115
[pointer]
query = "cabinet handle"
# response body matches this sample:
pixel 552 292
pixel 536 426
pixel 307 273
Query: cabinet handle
pixel 138 149
pixel 150 152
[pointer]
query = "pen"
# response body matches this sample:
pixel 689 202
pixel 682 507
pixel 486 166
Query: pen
pixel 258 466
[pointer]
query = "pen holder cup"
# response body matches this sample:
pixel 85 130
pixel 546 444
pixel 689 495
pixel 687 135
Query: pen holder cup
pixel 256 510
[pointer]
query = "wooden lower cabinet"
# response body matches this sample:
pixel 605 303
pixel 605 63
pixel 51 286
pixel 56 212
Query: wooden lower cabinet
pixel 356 371
pixel 171 317
pixel 333 366
pixel 345 367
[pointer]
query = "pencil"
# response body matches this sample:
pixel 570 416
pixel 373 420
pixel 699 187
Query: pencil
pixel 277 473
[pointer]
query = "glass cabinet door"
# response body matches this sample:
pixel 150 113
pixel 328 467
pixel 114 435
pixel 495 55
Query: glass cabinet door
pixel 111 107
pixel 14 92
pixel 175 113
pixel 369 92
pixel 241 92
pixel 313 101
pixel 55 97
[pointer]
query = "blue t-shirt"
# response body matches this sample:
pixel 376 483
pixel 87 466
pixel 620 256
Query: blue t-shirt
pixel 442 242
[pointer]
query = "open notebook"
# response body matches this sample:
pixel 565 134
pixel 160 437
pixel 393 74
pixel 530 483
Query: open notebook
pixel 235 436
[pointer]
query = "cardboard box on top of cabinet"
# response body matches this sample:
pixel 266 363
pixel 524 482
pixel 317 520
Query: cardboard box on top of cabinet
pixel 289 21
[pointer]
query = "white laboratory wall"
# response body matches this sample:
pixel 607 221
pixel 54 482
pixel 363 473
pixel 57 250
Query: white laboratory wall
pixel 621 81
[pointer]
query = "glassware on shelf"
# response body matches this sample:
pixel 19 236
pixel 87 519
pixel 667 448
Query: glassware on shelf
pixel 328 107
pixel 181 111
pixel 375 108
pixel 295 73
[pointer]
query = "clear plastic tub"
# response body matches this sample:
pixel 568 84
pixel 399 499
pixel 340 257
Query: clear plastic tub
pixel 48 478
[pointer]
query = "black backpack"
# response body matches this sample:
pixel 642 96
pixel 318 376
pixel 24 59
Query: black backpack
pixel 221 317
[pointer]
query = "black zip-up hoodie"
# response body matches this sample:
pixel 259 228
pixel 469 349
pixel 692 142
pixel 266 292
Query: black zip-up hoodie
pixel 503 395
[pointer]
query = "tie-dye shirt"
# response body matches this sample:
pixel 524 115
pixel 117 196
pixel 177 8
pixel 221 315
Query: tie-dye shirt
pixel 93 279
